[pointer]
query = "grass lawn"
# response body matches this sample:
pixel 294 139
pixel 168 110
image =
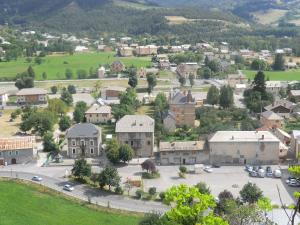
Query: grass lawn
pixel 8 128
pixel 22 204
pixel 56 65
pixel 276 75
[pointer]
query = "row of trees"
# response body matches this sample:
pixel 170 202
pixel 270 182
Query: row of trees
pixel 224 97
pixel 116 152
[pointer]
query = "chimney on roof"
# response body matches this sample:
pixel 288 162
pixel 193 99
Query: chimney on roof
pixel 232 137
pixel 262 137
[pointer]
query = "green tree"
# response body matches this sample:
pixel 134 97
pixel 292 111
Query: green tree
pixel 38 60
pixel 112 151
pixel 205 72
pixel 69 74
pixel 259 83
pixel 149 166
pixel 182 80
pixel 79 112
pixel 66 97
pixel 24 81
pixel 279 62
pixel 57 106
pixel 213 95
pixel 44 76
pixel 214 66
pixel 226 97
pixel 250 193
pixel 49 144
pixel 31 72
pixel 125 153
pixel 81 169
pixel 54 89
pixel 81 74
pixel 13 116
pixel 110 177
pixel 72 89
pixel 151 80
pixel 64 123
pixel 203 188
pixel 190 207
pixel 128 104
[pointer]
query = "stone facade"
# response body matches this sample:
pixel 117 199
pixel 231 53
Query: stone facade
pixel 33 96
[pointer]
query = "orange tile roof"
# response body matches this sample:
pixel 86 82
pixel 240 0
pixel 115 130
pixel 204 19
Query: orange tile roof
pixel 17 143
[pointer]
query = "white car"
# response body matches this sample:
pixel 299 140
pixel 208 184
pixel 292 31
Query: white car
pixel 68 187
pixel 37 178
pixel 208 169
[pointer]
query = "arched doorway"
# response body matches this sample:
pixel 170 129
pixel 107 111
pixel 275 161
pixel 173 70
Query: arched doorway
pixel 13 161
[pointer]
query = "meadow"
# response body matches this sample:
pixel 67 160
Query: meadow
pixel 289 75
pixel 22 204
pixel 56 65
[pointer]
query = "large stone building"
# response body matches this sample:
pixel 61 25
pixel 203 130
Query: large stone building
pixel 185 69
pixel 98 114
pixel 84 139
pixel 182 109
pixel 34 96
pixel 138 132
pixel 126 51
pixel 244 147
pixel 146 50
pixel 181 153
pixel 234 79
pixel 17 150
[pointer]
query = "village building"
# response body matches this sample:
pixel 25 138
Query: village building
pixel 17 150
pixel 271 120
pixel 138 132
pixel 295 95
pixel 101 72
pixel 117 66
pixel 273 87
pixel 34 96
pixel 282 107
pixel 141 72
pixel 182 153
pixel 244 147
pixel 234 79
pixel 146 50
pixel 295 143
pixel 126 51
pixel 185 69
pixel 112 93
pixel 182 107
pixel 84 140
pixel 98 114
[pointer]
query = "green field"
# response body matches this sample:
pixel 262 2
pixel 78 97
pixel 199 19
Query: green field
pixel 22 204
pixel 56 65
pixel 276 75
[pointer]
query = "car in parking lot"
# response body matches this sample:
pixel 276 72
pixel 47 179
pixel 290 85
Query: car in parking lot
pixel 248 168
pixel 208 169
pixel 253 174
pixel 269 172
pixel 68 187
pixel 287 181
pixel 294 183
pixel 37 178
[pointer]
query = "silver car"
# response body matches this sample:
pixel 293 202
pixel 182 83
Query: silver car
pixel 68 187
pixel 37 178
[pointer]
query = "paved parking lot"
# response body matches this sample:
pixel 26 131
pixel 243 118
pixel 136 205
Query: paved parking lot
pixel 231 178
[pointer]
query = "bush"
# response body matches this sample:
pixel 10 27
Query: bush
pixel 152 175
pixel 182 169
pixel 152 191
pixel 162 195
pixel 139 194
pixel 119 190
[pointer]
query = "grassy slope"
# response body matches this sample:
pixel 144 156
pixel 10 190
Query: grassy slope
pixel 23 204
pixel 55 68
pixel 277 75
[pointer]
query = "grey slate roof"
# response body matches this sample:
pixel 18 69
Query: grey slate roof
pixel 32 91
pixel 135 124
pixel 83 130
pixel 97 109
pixel 271 115
pixel 282 102
pixel 180 98
pixel 181 146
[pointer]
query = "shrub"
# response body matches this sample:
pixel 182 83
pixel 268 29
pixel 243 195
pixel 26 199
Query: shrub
pixel 119 190
pixel 162 195
pixel 152 191
pixel 139 193
pixel 182 169
pixel 152 175
pixel 147 197
pixel 182 175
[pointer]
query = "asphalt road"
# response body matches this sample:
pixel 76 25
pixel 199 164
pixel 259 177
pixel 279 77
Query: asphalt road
pixel 96 196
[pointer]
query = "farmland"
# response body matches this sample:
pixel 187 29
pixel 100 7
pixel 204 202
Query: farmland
pixel 56 65
pixel 28 204
pixel 276 75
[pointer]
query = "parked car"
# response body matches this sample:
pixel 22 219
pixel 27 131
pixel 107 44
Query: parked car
pixel 37 178
pixel 294 183
pixel 248 168
pixel 255 168
pixel 277 173
pixel 216 165
pixel 253 174
pixel 261 173
pixel 269 172
pixel 68 187
pixel 287 181
pixel 208 169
